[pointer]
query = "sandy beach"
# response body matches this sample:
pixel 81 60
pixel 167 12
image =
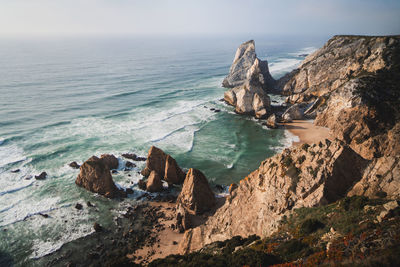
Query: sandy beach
pixel 307 131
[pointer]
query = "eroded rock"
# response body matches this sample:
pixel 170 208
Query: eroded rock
pixel 95 176
pixel 154 183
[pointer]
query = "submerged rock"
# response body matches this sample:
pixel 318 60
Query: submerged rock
pixel 133 157
pixel 95 176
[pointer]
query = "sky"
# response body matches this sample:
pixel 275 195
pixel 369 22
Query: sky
pixel 198 17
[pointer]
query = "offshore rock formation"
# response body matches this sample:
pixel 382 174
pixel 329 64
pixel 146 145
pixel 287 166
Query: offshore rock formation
pixel 250 81
pixel 352 86
pixel 95 176
pixel 164 165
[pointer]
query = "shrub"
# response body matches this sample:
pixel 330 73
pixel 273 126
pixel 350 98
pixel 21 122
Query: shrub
pixel 310 226
pixel 301 159
pixel 354 203
pixel 381 194
pixel 305 146
pixel 287 161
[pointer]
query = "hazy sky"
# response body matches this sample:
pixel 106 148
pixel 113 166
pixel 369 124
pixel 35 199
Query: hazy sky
pixel 154 17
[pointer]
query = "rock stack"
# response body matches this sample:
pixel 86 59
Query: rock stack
pixel 250 81
pixel 95 176
pixel 195 198
pixel 161 166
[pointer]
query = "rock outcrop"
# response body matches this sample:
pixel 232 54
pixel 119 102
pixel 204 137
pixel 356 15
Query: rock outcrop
pixel 195 198
pixel 250 81
pixel 298 177
pixel 352 86
pixel 173 174
pixel 154 183
pixel 95 176
pixel 110 161
pixel 196 195
pixel 165 165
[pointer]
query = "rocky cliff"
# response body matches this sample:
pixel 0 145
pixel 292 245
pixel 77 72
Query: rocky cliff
pixel 250 81
pixel 352 86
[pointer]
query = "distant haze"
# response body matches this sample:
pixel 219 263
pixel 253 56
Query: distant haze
pixel 202 17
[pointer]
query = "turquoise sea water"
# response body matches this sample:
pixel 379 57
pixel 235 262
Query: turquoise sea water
pixel 64 100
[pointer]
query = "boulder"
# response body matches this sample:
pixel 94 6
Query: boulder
pixel 173 174
pixel 130 165
pixel 97 227
pixel 110 161
pixel 155 162
pixel 74 165
pixel 271 122
pixel 183 219
pixel 95 176
pixel 154 183
pixel 196 196
pixel 41 176
pixel 142 184
pixel 294 112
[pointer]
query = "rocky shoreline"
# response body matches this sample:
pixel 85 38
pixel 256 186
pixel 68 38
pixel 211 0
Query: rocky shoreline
pixel 350 86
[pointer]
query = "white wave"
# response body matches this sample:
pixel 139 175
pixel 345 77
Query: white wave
pixel 2 140
pixel 14 188
pixel 287 141
pixel 56 232
pixel 11 153
pixel 283 65
pixel 305 50
pixel 27 208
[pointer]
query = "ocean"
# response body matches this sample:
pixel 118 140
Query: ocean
pixel 66 99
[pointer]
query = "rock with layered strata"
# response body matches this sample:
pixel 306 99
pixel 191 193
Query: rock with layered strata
pixel 297 177
pixel 95 176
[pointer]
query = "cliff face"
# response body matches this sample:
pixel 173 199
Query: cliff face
pixel 352 86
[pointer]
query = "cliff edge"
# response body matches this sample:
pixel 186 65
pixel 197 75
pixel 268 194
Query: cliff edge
pixel 352 86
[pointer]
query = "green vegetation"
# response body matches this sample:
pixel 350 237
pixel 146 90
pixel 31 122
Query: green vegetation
pixel 305 146
pixel 301 159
